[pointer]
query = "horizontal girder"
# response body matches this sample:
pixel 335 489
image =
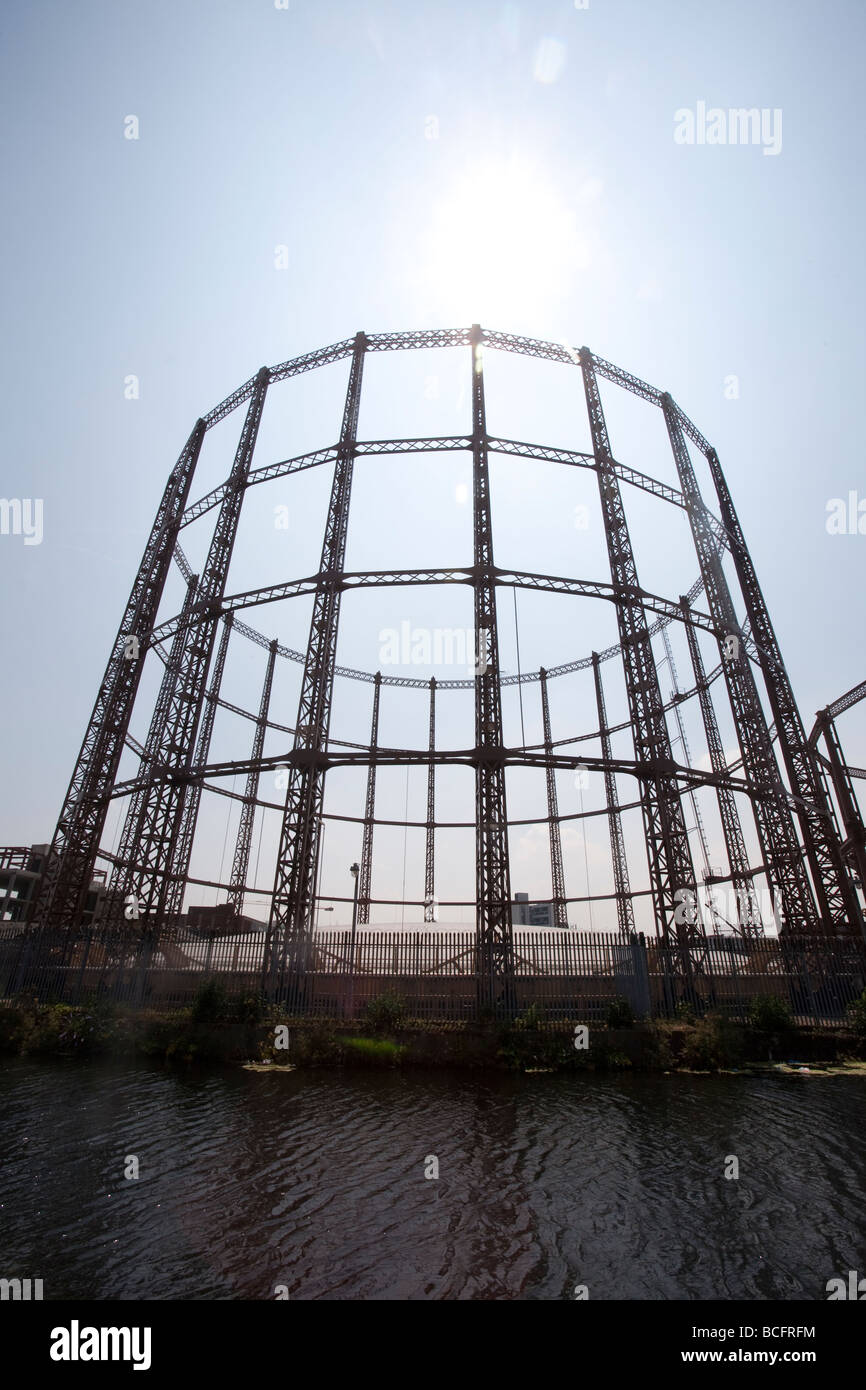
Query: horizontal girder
pixel 448 444
pixel 371 579
pixel 509 757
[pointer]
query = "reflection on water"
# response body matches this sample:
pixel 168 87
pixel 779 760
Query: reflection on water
pixel 316 1181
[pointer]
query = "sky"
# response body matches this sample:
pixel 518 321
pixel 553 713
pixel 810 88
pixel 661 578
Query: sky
pixel 300 173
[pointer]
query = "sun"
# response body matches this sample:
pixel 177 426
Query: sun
pixel 504 247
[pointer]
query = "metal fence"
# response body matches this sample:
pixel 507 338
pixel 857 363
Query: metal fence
pixel 568 976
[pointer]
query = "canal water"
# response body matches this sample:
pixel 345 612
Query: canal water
pixel 316 1181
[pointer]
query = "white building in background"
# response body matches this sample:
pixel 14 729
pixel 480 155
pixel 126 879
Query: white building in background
pixel 21 871
pixel 527 914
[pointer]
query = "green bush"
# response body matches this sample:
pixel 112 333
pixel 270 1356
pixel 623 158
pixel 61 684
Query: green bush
pixel 770 1015
pixel 619 1060
pixel 210 1005
pixel 619 1014
pixel 658 1051
pixel 525 1048
pixel 531 1018
pixel 159 1036
pixel 604 1056
pixel 13 1026
pixel 77 1028
pixel 214 1028
pixel 385 1013
pixel 857 1016
pixel 251 1011
pixel 771 1022
pixel 713 1043
pixel 316 1044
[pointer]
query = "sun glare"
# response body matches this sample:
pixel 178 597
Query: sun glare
pixel 504 246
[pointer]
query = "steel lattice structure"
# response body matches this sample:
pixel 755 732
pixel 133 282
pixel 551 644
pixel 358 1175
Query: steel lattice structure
pixel 808 861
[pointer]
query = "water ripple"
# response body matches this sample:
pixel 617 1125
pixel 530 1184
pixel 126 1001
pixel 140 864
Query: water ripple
pixel 317 1181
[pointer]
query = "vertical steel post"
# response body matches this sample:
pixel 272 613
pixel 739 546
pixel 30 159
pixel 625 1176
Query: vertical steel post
pixel 684 744
pixel 122 878
pixel 243 845
pixel 557 876
pixel 777 836
pixel 289 927
pixel 178 867
pixel 837 896
pixel 369 810
pixel 672 876
pixel 494 948
pixel 622 887
pixel 355 872
pixel 430 840
pixel 854 845
pixel 748 911
pixel 63 889
pixel 162 821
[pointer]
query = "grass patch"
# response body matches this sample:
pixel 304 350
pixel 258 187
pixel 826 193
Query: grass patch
pixel 376 1050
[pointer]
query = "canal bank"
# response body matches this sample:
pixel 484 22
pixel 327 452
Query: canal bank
pixel 217 1029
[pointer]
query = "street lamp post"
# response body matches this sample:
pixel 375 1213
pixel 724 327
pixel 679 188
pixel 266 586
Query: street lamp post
pixel 354 870
pixel 321 863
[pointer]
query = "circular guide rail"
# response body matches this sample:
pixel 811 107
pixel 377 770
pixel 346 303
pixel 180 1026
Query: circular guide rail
pixel 800 856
